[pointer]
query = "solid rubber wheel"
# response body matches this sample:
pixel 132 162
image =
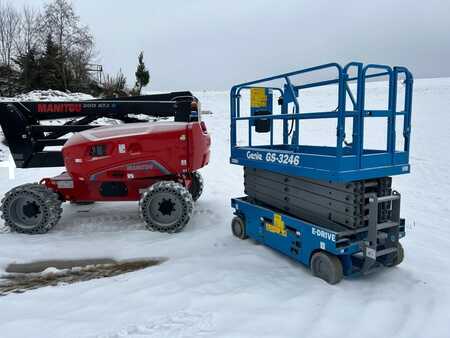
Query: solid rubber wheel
pixel 166 207
pixel 31 209
pixel 238 227
pixel 196 188
pixel 397 257
pixel 327 267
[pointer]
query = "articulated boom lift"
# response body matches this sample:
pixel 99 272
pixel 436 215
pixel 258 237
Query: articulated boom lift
pixel 155 163
pixel 331 208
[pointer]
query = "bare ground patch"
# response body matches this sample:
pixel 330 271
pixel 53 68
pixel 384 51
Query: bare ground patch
pixel 29 276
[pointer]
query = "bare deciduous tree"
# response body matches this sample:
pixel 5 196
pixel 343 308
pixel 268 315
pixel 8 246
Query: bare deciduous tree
pixel 9 31
pixel 74 41
pixel 115 86
pixel 29 37
pixel 24 37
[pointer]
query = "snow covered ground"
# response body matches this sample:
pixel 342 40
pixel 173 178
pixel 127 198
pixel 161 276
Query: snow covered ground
pixel 213 285
pixel 48 95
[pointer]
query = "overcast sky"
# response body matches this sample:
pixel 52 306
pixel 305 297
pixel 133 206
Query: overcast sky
pixel 213 44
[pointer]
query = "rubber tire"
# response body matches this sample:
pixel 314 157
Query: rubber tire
pixel 177 191
pixel 398 258
pixel 238 228
pixel 332 272
pixel 49 204
pixel 196 188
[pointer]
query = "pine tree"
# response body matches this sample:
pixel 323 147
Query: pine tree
pixel 142 75
pixel 49 67
pixel 29 70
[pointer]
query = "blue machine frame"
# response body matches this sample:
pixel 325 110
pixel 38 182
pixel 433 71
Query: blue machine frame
pixel 358 250
pixel 299 239
pixel 341 163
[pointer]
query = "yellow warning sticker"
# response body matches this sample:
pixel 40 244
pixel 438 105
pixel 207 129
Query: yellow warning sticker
pixel 258 97
pixel 278 226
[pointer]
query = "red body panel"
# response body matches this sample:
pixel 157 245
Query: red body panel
pixel 130 157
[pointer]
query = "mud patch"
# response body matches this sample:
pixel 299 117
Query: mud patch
pixel 34 275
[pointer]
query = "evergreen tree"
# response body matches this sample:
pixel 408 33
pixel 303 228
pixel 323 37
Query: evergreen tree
pixel 29 70
pixel 50 66
pixel 142 75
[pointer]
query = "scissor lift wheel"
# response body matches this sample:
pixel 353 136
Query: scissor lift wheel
pixel 327 267
pixel 238 228
pixel 397 257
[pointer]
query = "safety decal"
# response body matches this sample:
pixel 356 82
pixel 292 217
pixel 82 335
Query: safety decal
pixel 278 226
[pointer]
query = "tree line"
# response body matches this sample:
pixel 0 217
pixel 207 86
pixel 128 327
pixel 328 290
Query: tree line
pixel 49 48
pixel 45 48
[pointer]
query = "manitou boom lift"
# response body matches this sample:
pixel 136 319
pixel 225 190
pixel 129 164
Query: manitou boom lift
pixel 29 127
pixel 331 208
pixel 154 163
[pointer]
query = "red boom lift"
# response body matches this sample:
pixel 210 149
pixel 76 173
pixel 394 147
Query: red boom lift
pixel 154 163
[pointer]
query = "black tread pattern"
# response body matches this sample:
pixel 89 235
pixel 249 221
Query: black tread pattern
pixel 196 188
pixel 178 191
pixel 238 227
pixel 334 273
pixel 49 203
pixel 397 257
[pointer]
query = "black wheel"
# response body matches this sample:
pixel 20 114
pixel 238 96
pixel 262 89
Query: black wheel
pixel 166 207
pixel 238 227
pixel 31 209
pixel 395 258
pixel 327 267
pixel 196 188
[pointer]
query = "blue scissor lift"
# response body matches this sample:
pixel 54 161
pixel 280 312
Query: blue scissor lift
pixel 330 207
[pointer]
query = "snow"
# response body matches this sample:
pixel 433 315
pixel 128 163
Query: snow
pixel 51 271
pixel 48 95
pixel 214 285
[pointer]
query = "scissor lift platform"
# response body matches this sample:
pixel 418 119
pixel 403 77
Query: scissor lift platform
pixel 329 207
pixel 344 162
pixel 323 163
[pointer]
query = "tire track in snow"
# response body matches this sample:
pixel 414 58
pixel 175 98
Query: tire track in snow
pixel 88 219
pixel 101 223
pixel 177 325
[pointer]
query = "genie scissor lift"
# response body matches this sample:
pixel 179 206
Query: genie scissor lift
pixel 331 208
